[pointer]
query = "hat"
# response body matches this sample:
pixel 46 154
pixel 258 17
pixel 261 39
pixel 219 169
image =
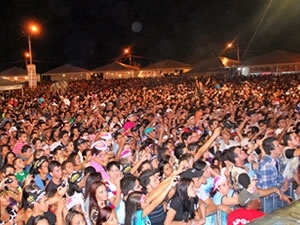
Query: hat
pixel 245 197
pixel 75 177
pixel 81 141
pixel 54 145
pixel 12 129
pixel 191 173
pixel 148 130
pixel 75 199
pixel 39 162
pixel 99 145
pixel 106 136
pixel 35 195
pixel 218 181
pixel 125 153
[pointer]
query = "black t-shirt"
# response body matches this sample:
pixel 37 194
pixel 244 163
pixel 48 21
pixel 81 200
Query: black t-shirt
pixel 177 205
pixel 51 187
pixel 49 215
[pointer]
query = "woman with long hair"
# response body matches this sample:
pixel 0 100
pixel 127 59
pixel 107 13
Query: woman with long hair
pixel 183 206
pixel 75 218
pixel 107 216
pixel 139 206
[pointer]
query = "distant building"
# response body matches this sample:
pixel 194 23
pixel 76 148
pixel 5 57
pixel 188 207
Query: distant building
pixel 115 70
pixel 16 74
pixel 276 62
pixel 166 67
pixel 67 72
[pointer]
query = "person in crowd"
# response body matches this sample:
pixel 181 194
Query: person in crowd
pixel 269 175
pixel 249 210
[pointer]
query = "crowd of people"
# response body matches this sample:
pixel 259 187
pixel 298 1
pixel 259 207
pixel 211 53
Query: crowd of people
pixel 160 151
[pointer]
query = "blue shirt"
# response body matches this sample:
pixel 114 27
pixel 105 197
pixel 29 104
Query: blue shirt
pixel 269 173
pixel 139 220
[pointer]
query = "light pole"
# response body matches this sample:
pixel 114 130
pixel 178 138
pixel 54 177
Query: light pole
pixel 33 29
pixel 31 69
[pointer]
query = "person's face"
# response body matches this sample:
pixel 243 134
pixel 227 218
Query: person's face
pixel 57 172
pixel 154 181
pixel 65 138
pixel 14 183
pixel 191 190
pixel 112 219
pixel 114 172
pixel 20 164
pixel 278 149
pixel 69 168
pixel 137 186
pixel 77 160
pixel 224 188
pixel 43 204
pixel 4 151
pixel 155 163
pixel 101 193
pixel 43 222
pixel 9 171
pixel 295 140
pixel 241 155
pixel 28 153
pixel 23 137
pixel 168 170
pixel 4 200
pixel 197 182
pixel 78 219
pixel 44 168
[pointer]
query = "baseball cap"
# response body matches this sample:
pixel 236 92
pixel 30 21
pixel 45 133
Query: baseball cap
pixel 191 173
pixel 81 141
pixel 75 177
pixel 245 197
pixel 12 129
pixel 35 195
pixel 39 162
pixel 218 181
pixel 148 130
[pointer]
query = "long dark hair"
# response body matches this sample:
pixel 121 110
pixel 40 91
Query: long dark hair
pixel 187 202
pixel 93 200
pixel 133 204
pixel 104 214
pixel 93 177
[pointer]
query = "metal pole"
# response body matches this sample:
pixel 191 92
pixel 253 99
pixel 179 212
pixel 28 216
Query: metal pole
pixel 29 47
pixel 238 50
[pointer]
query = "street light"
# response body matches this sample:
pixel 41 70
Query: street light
pixel 32 29
pixel 231 44
pixel 31 69
pixel 128 52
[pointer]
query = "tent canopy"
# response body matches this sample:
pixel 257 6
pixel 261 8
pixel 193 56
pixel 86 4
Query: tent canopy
pixel 6 85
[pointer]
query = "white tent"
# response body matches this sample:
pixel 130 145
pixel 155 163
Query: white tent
pixel 6 85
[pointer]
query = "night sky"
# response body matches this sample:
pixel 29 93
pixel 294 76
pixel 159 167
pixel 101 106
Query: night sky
pixel 91 33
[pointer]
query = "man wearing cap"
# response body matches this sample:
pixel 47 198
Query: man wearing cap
pixel 249 211
pixel 150 134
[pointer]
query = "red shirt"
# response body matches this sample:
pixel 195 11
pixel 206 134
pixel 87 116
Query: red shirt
pixel 243 216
